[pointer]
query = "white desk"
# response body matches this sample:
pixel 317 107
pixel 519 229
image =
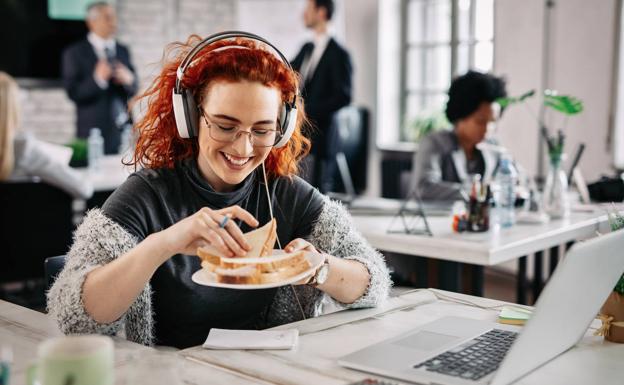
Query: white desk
pixel 488 248
pixel 485 249
pixel 593 361
pixel 23 329
pixel 112 173
pixel 322 341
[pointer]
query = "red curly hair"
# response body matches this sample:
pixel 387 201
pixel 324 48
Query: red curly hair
pixel 160 146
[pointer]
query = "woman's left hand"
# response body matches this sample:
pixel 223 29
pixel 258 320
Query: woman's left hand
pixel 299 244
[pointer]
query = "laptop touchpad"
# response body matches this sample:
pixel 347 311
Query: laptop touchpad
pixel 425 340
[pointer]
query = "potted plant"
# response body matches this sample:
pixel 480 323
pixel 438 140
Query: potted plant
pixel 612 311
pixel 554 198
pixel 426 122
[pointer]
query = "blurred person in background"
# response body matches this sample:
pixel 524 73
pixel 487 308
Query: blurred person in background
pixel 22 156
pixel 99 77
pixel 446 159
pixel 326 78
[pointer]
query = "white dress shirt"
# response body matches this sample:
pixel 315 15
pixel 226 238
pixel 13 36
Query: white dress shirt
pixel 99 47
pixel 311 61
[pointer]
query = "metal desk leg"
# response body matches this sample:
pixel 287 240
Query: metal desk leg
pixel 477 280
pixel 568 245
pixel 450 276
pixel 554 260
pixel 537 275
pixel 521 283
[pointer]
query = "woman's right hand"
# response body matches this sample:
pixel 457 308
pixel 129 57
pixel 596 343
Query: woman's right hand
pixel 203 228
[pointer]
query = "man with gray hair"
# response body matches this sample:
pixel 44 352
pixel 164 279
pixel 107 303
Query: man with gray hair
pixel 99 77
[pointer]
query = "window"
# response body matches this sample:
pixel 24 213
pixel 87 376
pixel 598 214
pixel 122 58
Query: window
pixel 440 39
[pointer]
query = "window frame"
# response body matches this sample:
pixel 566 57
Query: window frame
pixel 454 45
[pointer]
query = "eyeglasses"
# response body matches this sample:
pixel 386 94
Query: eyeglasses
pixel 259 137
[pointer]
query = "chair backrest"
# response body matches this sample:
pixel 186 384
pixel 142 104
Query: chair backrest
pixel 350 134
pixel 35 223
pixel 52 267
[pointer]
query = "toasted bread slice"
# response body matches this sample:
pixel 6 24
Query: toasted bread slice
pixel 285 272
pixel 209 254
pixel 247 274
pixel 262 240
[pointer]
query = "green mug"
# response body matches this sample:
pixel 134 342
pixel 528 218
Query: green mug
pixel 74 360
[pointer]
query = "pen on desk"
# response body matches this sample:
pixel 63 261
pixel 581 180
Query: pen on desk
pixel 577 158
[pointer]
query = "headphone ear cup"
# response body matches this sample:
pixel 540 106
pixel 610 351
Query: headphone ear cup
pixel 185 113
pixel 179 114
pixel 191 113
pixel 289 120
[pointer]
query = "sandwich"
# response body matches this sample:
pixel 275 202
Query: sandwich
pixel 257 266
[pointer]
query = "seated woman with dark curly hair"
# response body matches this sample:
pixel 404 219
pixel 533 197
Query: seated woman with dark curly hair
pixel 131 263
pixel 445 159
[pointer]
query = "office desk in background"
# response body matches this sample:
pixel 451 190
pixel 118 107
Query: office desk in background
pixel 111 174
pixel 322 341
pixel 489 248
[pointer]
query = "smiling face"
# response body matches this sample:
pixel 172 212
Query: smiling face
pixel 235 105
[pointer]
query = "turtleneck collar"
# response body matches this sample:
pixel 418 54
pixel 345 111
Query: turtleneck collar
pixel 217 199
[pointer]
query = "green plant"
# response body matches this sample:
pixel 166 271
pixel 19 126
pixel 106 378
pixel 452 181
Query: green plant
pixel 616 222
pixel 425 123
pixel 566 104
pixel 79 147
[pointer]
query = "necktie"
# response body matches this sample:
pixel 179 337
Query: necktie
pixel 110 55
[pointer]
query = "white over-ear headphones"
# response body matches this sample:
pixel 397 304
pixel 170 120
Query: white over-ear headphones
pixel 185 108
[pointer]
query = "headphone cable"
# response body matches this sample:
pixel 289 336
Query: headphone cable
pixel 279 244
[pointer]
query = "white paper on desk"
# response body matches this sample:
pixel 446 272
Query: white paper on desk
pixel 252 339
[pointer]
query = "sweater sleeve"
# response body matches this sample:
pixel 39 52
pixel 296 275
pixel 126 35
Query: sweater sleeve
pixel 335 234
pixel 97 241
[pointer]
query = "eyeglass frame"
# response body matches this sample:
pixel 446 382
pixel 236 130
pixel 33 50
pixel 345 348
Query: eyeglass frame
pixel 239 131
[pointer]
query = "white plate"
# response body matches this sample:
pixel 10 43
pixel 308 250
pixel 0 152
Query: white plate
pixel 205 278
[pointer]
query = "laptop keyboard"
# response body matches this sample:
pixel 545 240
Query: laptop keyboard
pixel 473 359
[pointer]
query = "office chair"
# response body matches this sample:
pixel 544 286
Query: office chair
pixel 52 267
pixel 349 131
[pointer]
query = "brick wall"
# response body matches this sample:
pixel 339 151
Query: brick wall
pixel 146 26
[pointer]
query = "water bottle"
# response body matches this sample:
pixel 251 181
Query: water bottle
pixel 6 359
pixel 124 144
pixel 95 149
pixel 505 191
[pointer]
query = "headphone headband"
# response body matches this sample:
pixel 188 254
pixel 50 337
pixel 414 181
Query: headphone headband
pixel 218 37
pixel 185 108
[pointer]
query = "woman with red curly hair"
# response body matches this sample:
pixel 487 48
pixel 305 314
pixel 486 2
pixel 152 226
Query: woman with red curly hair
pixel 131 262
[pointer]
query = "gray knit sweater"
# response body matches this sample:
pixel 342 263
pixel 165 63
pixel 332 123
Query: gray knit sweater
pixel 99 240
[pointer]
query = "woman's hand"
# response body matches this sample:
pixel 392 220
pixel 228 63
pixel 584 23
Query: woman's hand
pixel 204 228
pixel 299 244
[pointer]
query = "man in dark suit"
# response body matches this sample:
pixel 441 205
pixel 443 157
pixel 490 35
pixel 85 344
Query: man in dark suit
pixel 99 77
pixel 326 72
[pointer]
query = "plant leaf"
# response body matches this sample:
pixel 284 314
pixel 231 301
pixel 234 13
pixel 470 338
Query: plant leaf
pixel 568 105
pixel 509 100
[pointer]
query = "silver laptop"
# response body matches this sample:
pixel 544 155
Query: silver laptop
pixel 455 350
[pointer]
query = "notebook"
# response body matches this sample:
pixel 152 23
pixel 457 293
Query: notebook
pixel 251 339
pixel 512 315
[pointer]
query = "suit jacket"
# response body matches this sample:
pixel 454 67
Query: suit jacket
pixel 440 168
pixel 94 105
pixel 327 90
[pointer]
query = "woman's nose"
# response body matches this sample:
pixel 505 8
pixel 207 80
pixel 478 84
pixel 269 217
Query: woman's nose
pixel 242 143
